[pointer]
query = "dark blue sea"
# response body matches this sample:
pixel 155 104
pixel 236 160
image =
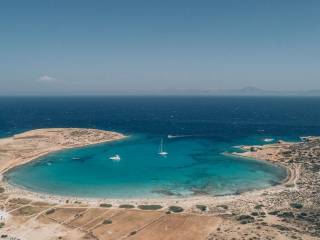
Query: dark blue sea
pixel 203 128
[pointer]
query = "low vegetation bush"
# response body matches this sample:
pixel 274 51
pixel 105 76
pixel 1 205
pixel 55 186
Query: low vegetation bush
pixel 149 207
pixel 106 205
pixel 107 221
pixel 296 205
pixel 50 211
pixel 202 208
pixel 255 214
pixel 273 213
pixel 176 209
pixel 2 189
pixel 259 206
pixel 244 219
pixel 280 227
pixel 286 215
pixel 126 206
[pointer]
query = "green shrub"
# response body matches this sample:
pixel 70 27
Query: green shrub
pixel 176 209
pixel 149 207
pixel 259 206
pixel 255 214
pixel 286 215
pixel 106 205
pixel 107 221
pixel 202 208
pixel 126 206
pixel 2 189
pixel 273 213
pixel 296 205
pixel 244 219
pixel 50 211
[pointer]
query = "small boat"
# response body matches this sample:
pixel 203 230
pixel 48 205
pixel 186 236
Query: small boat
pixel 115 158
pixel 161 152
pixel 268 139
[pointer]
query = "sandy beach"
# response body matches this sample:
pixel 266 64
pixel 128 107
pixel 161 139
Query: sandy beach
pixel 288 210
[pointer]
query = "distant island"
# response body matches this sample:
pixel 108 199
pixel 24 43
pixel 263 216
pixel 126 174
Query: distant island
pixel 245 91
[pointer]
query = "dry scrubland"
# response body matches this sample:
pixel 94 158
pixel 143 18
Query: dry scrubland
pixel 287 211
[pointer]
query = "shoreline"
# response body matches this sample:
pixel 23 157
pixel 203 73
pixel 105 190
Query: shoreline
pixel 289 169
pixel 187 202
pixel 289 210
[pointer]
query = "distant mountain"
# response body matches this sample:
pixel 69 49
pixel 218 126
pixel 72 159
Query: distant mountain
pixel 246 91
pixel 315 92
pixel 252 91
pixel 243 91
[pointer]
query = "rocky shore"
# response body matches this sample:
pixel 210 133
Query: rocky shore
pixel 291 212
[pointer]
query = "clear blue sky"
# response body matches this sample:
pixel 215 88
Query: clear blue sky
pixel 103 47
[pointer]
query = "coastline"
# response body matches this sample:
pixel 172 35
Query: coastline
pixel 187 202
pixel 289 209
pixel 290 170
pixel 262 153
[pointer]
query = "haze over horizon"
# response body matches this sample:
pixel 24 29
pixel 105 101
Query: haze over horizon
pixel 159 47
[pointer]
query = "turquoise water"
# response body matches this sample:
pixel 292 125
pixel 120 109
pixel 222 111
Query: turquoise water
pixel 193 165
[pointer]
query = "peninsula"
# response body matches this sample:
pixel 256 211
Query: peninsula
pixel 27 146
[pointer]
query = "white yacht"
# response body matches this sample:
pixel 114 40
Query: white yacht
pixel 115 158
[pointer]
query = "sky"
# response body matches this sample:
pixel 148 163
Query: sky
pixel 77 47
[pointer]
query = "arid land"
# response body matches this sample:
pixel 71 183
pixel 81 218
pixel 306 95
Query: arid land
pixel 290 210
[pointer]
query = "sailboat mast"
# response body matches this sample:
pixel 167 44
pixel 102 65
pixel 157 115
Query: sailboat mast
pixel 161 145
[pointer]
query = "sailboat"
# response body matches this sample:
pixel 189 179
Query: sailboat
pixel 161 152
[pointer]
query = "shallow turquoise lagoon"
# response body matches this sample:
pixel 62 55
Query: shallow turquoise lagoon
pixel 193 166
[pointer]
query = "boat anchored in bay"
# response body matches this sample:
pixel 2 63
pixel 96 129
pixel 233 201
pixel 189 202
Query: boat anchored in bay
pixel 115 158
pixel 161 151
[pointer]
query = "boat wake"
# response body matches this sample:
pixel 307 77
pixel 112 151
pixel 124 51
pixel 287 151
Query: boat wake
pixel 178 136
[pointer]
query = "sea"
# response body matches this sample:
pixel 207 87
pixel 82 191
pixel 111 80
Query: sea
pixel 196 132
